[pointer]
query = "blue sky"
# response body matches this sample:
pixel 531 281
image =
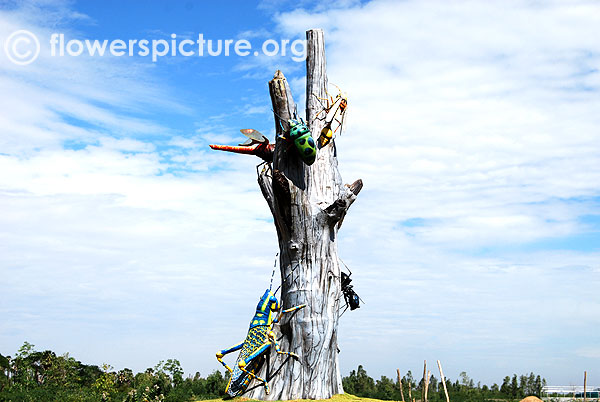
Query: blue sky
pixel 474 126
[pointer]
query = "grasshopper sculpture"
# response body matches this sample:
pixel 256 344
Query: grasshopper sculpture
pixel 253 349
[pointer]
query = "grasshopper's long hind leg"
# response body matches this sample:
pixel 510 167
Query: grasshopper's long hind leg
pixel 227 351
pixel 242 365
pixel 272 334
pixel 279 351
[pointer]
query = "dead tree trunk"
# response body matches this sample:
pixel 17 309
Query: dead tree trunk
pixel 308 204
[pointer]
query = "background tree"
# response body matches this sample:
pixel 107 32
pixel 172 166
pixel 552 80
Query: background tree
pixel 408 378
pixel 124 379
pixel 505 388
pixel 385 388
pixel 465 381
pixel 105 384
pixel 174 368
pixel 514 387
pixel 4 372
pixel 433 384
pixel 61 378
pixel 350 384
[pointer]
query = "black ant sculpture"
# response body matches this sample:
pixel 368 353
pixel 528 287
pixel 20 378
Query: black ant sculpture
pixel 350 296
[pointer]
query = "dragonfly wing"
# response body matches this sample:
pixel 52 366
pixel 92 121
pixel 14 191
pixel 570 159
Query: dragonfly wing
pixel 341 126
pixel 253 134
pixel 333 110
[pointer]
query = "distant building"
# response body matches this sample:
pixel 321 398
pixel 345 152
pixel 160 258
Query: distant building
pixel 592 392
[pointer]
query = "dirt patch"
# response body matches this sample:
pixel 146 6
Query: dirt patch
pixel 531 399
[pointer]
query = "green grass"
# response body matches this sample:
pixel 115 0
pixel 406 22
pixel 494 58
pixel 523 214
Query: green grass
pixel 335 398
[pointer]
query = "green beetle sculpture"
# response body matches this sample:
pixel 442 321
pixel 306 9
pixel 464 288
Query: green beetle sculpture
pixel 302 139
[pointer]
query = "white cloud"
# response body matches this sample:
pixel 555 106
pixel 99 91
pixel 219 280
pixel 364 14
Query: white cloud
pixel 472 108
pixel 592 353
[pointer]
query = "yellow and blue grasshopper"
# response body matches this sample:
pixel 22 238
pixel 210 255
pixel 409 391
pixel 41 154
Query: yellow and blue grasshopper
pixel 258 341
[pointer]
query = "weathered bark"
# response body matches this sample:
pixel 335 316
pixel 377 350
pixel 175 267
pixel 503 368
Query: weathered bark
pixel 308 204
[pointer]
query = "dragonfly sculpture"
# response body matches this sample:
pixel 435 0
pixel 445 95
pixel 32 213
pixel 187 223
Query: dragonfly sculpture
pixel 257 144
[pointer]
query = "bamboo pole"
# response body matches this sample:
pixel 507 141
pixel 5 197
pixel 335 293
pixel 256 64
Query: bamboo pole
pixel 585 386
pixel 400 384
pixel 443 381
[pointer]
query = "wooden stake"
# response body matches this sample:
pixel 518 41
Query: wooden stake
pixel 443 381
pixel 400 383
pixel 410 398
pixel 424 374
pixel 584 386
pixel 427 384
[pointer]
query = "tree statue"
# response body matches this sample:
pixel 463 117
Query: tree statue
pixel 308 203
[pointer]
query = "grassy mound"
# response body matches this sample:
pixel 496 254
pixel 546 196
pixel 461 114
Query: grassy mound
pixel 335 398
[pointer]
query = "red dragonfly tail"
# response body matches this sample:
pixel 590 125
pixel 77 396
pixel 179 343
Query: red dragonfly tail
pixel 263 151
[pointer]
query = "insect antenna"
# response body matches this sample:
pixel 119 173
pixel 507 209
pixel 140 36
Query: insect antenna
pixel 280 120
pixel 338 88
pixel 273 274
pixel 285 279
pixel 278 115
pixel 344 262
pixel 294 116
pixel 351 286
